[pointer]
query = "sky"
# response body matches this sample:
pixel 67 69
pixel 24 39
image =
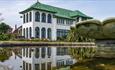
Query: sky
pixel 98 9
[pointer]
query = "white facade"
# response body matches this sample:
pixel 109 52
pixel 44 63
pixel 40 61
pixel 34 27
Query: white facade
pixel 53 25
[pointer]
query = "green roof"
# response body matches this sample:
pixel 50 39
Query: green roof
pixel 59 12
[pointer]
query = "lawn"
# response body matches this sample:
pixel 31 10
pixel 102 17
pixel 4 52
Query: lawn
pixel 96 64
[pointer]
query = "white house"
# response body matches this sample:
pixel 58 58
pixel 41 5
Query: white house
pixel 45 21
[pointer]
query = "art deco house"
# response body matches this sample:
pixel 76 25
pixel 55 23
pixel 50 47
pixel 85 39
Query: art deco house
pixel 45 21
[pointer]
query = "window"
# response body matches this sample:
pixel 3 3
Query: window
pixel 43 52
pixel 69 22
pixel 60 63
pixel 30 16
pixel 43 17
pixel 30 32
pixel 49 66
pixel 62 51
pixel 26 32
pixel 37 66
pixel 60 21
pixel 30 68
pixel 37 52
pixel 37 32
pixel 49 19
pixel 37 17
pixel 24 68
pixel 62 32
pixel 49 33
pixel 26 52
pixel 43 33
pixel 24 18
pixel 43 67
pixel 27 17
pixel 49 52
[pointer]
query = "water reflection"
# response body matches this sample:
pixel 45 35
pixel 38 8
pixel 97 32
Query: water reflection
pixel 13 63
pixel 45 58
pixel 42 58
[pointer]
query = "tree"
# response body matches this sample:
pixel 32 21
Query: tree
pixel 74 36
pixel 4 28
pixel 80 34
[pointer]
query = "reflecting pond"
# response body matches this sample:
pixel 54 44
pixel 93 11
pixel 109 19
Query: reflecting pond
pixel 43 58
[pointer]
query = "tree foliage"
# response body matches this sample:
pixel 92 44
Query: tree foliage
pixel 82 53
pixel 4 28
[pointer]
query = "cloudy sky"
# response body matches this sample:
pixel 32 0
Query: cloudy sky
pixel 99 9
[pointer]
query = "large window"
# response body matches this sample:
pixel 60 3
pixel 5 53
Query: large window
pixel 37 66
pixel 30 67
pixel 26 52
pixel 37 32
pixel 37 17
pixel 37 52
pixel 43 33
pixel 49 66
pixel 27 17
pixel 43 17
pixel 26 32
pixel 30 32
pixel 49 33
pixel 43 52
pixel 24 67
pixel 43 66
pixel 30 16
pixel 49 52
pixel 24 18
pixel 62 32
pixel 49 19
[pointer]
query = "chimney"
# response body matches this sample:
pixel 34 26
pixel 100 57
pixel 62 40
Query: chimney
pixel 15 27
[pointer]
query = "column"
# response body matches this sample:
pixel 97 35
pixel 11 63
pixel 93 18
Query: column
pixel 40 33
pixel 28 52
pixel 54 50
pixel 46 34
pixel 33 59
pixel 45 65
pixel 40 53
pixel 54 35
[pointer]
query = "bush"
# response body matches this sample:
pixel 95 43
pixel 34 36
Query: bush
pixel 4 37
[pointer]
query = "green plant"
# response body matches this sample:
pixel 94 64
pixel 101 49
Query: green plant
pixel 82 53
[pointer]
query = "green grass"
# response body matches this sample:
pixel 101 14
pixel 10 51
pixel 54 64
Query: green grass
pixel 96 64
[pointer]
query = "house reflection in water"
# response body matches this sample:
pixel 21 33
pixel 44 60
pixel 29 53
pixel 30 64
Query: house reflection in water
pixel 44 58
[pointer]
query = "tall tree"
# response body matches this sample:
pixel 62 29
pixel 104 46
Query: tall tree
pixel 4 28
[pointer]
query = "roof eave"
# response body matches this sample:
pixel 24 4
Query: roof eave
pixel 64 17
pixel 35 9
pixel 83 16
